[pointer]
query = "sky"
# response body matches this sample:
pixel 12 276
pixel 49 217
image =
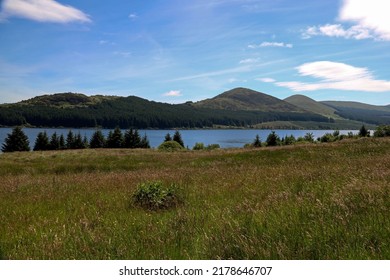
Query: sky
pixel 175 51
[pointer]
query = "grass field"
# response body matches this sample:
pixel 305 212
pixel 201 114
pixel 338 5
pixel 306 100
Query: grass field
pixel 318 201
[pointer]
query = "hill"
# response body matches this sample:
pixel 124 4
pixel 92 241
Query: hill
pixel 361 112
pixel 247 99
pixel 78 110
pixel 311 105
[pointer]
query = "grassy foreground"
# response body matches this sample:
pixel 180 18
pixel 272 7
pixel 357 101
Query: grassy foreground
pixel 319 201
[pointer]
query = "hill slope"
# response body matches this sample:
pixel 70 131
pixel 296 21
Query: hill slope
pixel 78 110
pixel 247 99
pixel 311 105
pixel 360 111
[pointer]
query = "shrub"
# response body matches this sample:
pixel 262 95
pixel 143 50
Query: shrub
pixel 213 147
pixel 156 196
pixel 170 146
pixel 198 146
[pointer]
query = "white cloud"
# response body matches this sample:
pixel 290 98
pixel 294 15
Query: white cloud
pixel 133 16
pixel 337 76
pixel 270 44
pixel 337 30
pixel 249 60
pixel 173 93
pixel 370 20
pixel 42 11
pixel 266 80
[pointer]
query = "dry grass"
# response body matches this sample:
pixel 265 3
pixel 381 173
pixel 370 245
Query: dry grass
pixel 324 201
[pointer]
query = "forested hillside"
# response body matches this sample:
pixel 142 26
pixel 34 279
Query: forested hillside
pixel 77 110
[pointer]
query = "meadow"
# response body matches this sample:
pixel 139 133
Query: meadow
pixel 307 201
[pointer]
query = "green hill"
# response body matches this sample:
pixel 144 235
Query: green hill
pixel 78 110
pixel 361 112
pixel 311 105
pixel 247 99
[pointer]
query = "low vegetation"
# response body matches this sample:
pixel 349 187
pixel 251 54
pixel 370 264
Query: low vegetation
pixel 305 201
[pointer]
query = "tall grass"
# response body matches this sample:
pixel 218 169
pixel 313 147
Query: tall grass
pixel 324 201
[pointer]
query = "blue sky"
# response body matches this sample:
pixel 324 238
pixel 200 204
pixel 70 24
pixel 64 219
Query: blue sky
pixel 175 51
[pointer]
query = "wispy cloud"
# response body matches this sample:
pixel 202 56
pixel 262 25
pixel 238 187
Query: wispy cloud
pixel 42 11
pixel 240 69
pixel 173 93
pixel 249 60
pixel 370 20
pixel 266 80
pixel 335 75
pixel 133 16
pixel 271 44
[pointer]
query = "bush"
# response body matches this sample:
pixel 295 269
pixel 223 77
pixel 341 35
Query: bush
pixel 156 196
pixel 213 147
pixel 198 146
pixel 170 146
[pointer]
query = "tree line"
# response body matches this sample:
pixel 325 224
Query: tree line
pixel 131 139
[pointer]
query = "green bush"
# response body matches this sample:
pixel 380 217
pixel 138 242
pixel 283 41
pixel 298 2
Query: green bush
pixel 213 147
pixel 156 196
pixel 198 146
pixel 170 146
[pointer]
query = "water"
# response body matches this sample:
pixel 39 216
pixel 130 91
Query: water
pixel 226 138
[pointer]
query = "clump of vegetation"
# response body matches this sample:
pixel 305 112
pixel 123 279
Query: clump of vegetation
pixel 170 146
pixel 200 146
pixel 156 196
pixel 382 131
pixel 257 142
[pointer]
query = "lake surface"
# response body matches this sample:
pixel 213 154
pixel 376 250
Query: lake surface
pixel 226 138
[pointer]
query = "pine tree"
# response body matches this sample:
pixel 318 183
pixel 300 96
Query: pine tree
pixel 363 132
pixel 42 142
pixel 70 140
pixel 16 141
pixel 178 139
pixel 273 139
pixel 132 139
pixel 115 139
pixel 62 142
pixel 97 140
pixel 257 142
pixel 168 138
pixel 145 142
pixel 78 142
pixel 54 142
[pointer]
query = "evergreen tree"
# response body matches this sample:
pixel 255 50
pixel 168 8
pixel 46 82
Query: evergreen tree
pixel 42 142
pixel 70 140
pixel 363 132
pixel 97 140
pixel 132 139
pixel 62 142
pixel 145 142
pixel 85 142
pixel 115 139
pixel 16 141
pixel 177 138
pixel 54 142
pixel 78 142
pixel 168 137
pixel 273 139
pixel 257 142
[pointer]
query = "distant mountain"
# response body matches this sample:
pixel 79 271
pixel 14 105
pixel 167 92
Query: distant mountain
pixel 360 112
pixel 247 99
pixel 239 107
pixel 311 105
